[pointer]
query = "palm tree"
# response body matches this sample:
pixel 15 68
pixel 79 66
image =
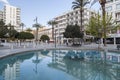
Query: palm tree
pixel 80 4
pixel 102 3
pixel 37 26
pixel 22 26
pixel 52 23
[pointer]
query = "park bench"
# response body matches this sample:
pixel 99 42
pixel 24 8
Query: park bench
pixel 118 46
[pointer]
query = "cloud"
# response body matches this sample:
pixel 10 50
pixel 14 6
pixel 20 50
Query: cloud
pixel 4 1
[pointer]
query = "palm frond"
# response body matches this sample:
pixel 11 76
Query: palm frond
pixel 76 3
pixel 75 7
pixel 85 3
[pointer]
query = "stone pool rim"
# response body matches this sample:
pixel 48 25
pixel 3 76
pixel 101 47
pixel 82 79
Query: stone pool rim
pixel 35 49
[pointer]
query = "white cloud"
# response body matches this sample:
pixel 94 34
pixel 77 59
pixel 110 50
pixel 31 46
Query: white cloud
pixel 4 1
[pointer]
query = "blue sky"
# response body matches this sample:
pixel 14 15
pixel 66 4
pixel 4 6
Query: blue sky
pixel 45 10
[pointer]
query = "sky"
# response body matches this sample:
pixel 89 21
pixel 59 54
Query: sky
pixel 45 10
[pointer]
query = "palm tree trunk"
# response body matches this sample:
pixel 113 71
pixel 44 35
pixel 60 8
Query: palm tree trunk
pixel 52 32
pixel 80 19
pixel 36 34
pixel 104 22
pixel 22 28
pixel 81 26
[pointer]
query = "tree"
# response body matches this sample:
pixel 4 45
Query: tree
pixel 80 4
pixel 11 31
pixel 44 38
pixel 12 34
pixel 25 35
pixel 37 26
pixel 94 25
pixel 102 3
pixel 52 23
pixel 3 29
pixel 28 30
pixel 72 31
pixel 22 26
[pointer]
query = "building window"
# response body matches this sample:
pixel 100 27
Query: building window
pixel 118 6
pixel 109 8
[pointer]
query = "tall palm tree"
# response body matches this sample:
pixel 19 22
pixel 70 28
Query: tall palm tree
pixel 22 26
pixel 37 26
pixel 52 23
pixel 80 4
pixel 102 3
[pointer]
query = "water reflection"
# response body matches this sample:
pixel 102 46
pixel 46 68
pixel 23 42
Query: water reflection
pixel 36 62
pixel 95 65
pixel 10 67
pixel 69 64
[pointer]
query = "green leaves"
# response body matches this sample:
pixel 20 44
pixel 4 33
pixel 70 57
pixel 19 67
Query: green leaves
pixel 25 35
pixel 3 29
pixel 73 31
pixel 95 26
pixel 79 3
pixel 52 22
pixel 44 38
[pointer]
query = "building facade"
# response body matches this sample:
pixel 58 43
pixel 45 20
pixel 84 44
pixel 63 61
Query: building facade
pixel 45 31
pixel 113 7
pixel 1 15
pixel 12 16
pixel 71 18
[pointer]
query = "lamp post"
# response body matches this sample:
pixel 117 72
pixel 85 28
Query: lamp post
pixel 102 3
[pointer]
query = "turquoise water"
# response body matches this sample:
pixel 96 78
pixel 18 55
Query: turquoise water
pixel 61 65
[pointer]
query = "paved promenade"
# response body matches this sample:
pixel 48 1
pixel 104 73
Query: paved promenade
pixel 12 48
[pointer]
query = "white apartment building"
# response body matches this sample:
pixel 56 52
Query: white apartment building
pixel 12 73
pixel 71 17
pixel 12 16
pixel 1 15
pixel 114 8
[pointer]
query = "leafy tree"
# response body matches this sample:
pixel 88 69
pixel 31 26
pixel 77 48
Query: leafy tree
pixel 11 31
pixel 52 22
pixel 3 29
pixel 44 38
pixel 12 34
pixel 73 31
pixel 28 30
pixel 80 4
pixel 102 3
pixel 68 31
pixel 25 35
pixel 95 26
pixel 37 26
